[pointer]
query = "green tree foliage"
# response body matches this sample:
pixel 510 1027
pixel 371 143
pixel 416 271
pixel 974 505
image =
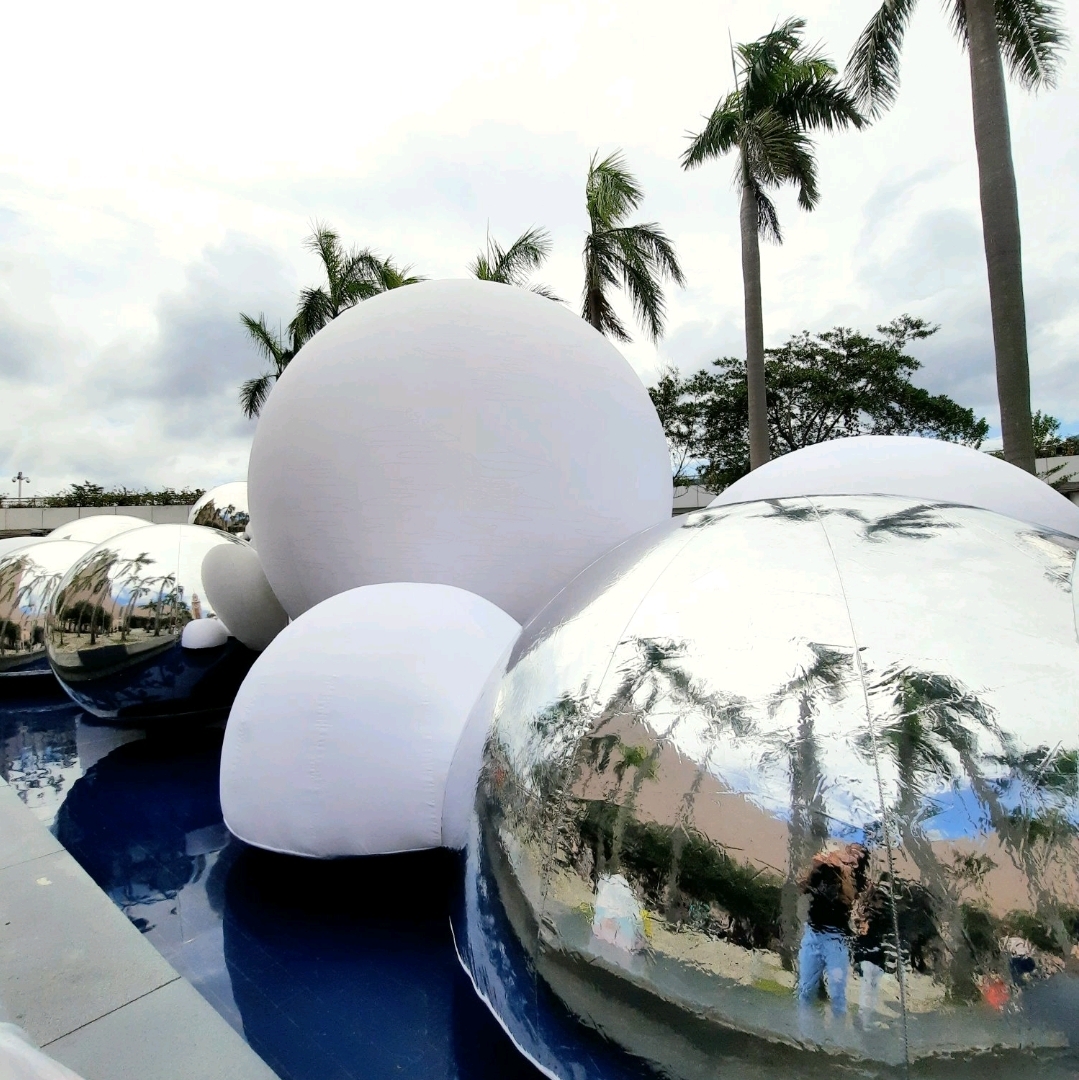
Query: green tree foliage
pixel 635 258
pixel 90 494
pixel 783 90
pixel 516 264
pixel 1027 36
pixel 822 386
pixel 352 275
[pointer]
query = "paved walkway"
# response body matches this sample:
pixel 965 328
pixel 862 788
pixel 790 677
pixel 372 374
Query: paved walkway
pixel 85 985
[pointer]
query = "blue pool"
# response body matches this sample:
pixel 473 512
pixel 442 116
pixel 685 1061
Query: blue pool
pixel 330 970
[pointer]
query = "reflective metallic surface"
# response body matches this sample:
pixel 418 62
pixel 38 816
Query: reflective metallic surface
pixel 223 507
pixel 116 622
pixel 788 788
pixel 28 578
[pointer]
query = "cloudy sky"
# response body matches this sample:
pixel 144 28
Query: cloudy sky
pixel 161 164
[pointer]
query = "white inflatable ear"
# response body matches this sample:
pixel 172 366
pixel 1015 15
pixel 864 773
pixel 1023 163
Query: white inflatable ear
pixel 341 737
pixel 241 596
pixel 204 634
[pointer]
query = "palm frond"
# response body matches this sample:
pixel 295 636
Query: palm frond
pixel 543 290
pixel 873 65
pixel 525 255
pixel 313 312
pixel 266 341
pixel 253 394
pixel 326 244
pixel 767 218
pixel 515 264
pixel 611 191
pixel 720 133
pixel 815 101
pixel 1032 38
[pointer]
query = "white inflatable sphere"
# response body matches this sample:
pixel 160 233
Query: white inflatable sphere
pixel 17 543
pixel 340 739
pixel 458 432
pixel 241 595
pixel 906 465
pixel 97 528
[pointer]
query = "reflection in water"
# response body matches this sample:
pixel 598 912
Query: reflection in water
pixel 38 753
pixel 795 785
pixel 330 970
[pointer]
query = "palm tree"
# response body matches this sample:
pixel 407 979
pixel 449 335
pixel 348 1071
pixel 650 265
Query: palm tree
pixel 352 275
pixel 1028 35
pixel 636 258
pixel 516 264
pixel 783 90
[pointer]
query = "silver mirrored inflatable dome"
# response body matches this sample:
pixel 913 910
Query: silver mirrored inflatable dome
pixel 223 507
pixel 789 789
pixel 28 578
pixel 115 631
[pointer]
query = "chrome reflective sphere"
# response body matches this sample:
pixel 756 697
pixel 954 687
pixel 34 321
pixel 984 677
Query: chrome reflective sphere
pixel 28 579
pixel 116 628
pixel 786 789
pixel 223 507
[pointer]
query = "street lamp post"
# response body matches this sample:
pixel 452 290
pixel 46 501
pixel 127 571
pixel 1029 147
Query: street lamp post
pixel 20 479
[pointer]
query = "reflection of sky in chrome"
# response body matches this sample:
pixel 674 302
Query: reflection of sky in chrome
pixel 979 601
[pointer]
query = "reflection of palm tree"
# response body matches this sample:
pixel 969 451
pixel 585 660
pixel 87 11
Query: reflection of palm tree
pixel 937 723
pixel 131 579
pixel 93 577
pixel 9 589
pixel 824 678
pixel 652 682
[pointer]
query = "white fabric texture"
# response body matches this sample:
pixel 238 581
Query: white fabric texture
pixel 341 736
pixel 459 432
pixel 97 528
pixel 906 465
pixel 241 596
pixel 21 1060
pixel 204 634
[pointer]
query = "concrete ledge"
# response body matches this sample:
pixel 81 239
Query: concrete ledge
pixel 84 983
pixel 23 519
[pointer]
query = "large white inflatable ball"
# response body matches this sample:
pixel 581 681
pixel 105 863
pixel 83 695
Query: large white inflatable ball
pixel 340 739
pixel 241 595
pixel 906 465
pixel 17 543
pixel 458 432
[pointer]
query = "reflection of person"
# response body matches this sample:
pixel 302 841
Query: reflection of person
pixel 831 883
pixel 872 927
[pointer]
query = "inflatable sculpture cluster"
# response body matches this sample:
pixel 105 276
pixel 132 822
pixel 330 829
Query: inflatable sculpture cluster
pixel 786 786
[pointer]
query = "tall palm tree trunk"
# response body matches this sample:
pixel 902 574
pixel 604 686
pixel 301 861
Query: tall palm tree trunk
pixel 595 307
pixel 759 452
pixel 1000 230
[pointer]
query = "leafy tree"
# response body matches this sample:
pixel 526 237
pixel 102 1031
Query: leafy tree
pixel 352 275
pixel 517 263
pixel 636 258
pixel 1026 34
pixel 823 386
pixel 783 89
pixel 91 494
